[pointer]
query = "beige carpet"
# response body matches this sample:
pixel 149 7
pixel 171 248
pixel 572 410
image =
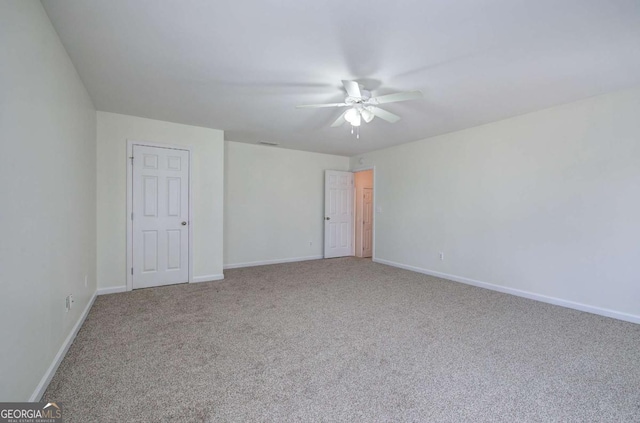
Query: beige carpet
pixel 345 340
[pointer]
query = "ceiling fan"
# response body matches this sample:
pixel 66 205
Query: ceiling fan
pixel 363 107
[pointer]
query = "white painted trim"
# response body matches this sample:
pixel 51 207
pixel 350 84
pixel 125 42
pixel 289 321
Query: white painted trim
pixel 130 144
pixel 519 293
pixel 267 262
pixel 375 210
pixel 207 278
pixel 111 290
pixel 48 375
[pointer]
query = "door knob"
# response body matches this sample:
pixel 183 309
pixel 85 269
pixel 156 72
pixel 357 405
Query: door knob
pixel 184 223
pixel 327 218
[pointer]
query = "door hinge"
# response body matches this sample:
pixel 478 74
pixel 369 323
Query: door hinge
pixel 132 270
pixel 131 159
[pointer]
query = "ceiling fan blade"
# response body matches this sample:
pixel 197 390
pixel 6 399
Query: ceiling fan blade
pixel 392 98
pixel 315 106
pixel 340 120
pixel 353 88
pixel 384 115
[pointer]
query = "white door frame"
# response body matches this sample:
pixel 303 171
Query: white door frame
pixel 375 210
pixel 130 144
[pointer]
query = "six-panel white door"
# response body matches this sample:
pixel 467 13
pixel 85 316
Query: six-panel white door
pixel 338 205
pixel 367 222
pixel 160 216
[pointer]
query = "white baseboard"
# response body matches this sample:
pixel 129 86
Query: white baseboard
pixel 207 278
pixel 111 290
pixel 48 375
pixel 276 261
pixel 518 292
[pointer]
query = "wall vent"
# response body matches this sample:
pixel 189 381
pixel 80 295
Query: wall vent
pixel 272 144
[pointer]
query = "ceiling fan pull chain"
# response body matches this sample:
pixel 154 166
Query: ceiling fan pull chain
pixel 351 129
pixel 358 133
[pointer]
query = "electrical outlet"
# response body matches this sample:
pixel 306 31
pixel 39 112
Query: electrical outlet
pixel 70 301
pixel 67 303
pixel 441 256
pixel 86 280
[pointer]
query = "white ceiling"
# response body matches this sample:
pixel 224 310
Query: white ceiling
pixel 243 65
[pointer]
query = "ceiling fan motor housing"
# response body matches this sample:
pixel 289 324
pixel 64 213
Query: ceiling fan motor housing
pixel 364 96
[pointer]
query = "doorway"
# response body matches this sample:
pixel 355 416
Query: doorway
pixel 158 230
pixel 349 213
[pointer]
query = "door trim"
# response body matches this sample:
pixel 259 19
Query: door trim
pixel 130 144
pixel 375 210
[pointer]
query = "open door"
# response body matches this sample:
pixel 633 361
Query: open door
pixel 338 214
pixel 363 181
pixel 367 222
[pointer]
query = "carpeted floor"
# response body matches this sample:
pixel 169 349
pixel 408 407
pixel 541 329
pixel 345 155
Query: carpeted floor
pixel 345 340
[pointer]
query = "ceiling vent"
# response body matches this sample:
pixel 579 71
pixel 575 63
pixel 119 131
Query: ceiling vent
pixel 272 144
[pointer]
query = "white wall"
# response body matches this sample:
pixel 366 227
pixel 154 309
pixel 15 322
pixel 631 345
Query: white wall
pixel 274 203
pixel 546 202
pixel 207 191
pixel 47 218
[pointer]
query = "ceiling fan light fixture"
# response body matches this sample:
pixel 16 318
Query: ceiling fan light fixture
pixel 351 115
pixel 356 121
pixel 367 115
